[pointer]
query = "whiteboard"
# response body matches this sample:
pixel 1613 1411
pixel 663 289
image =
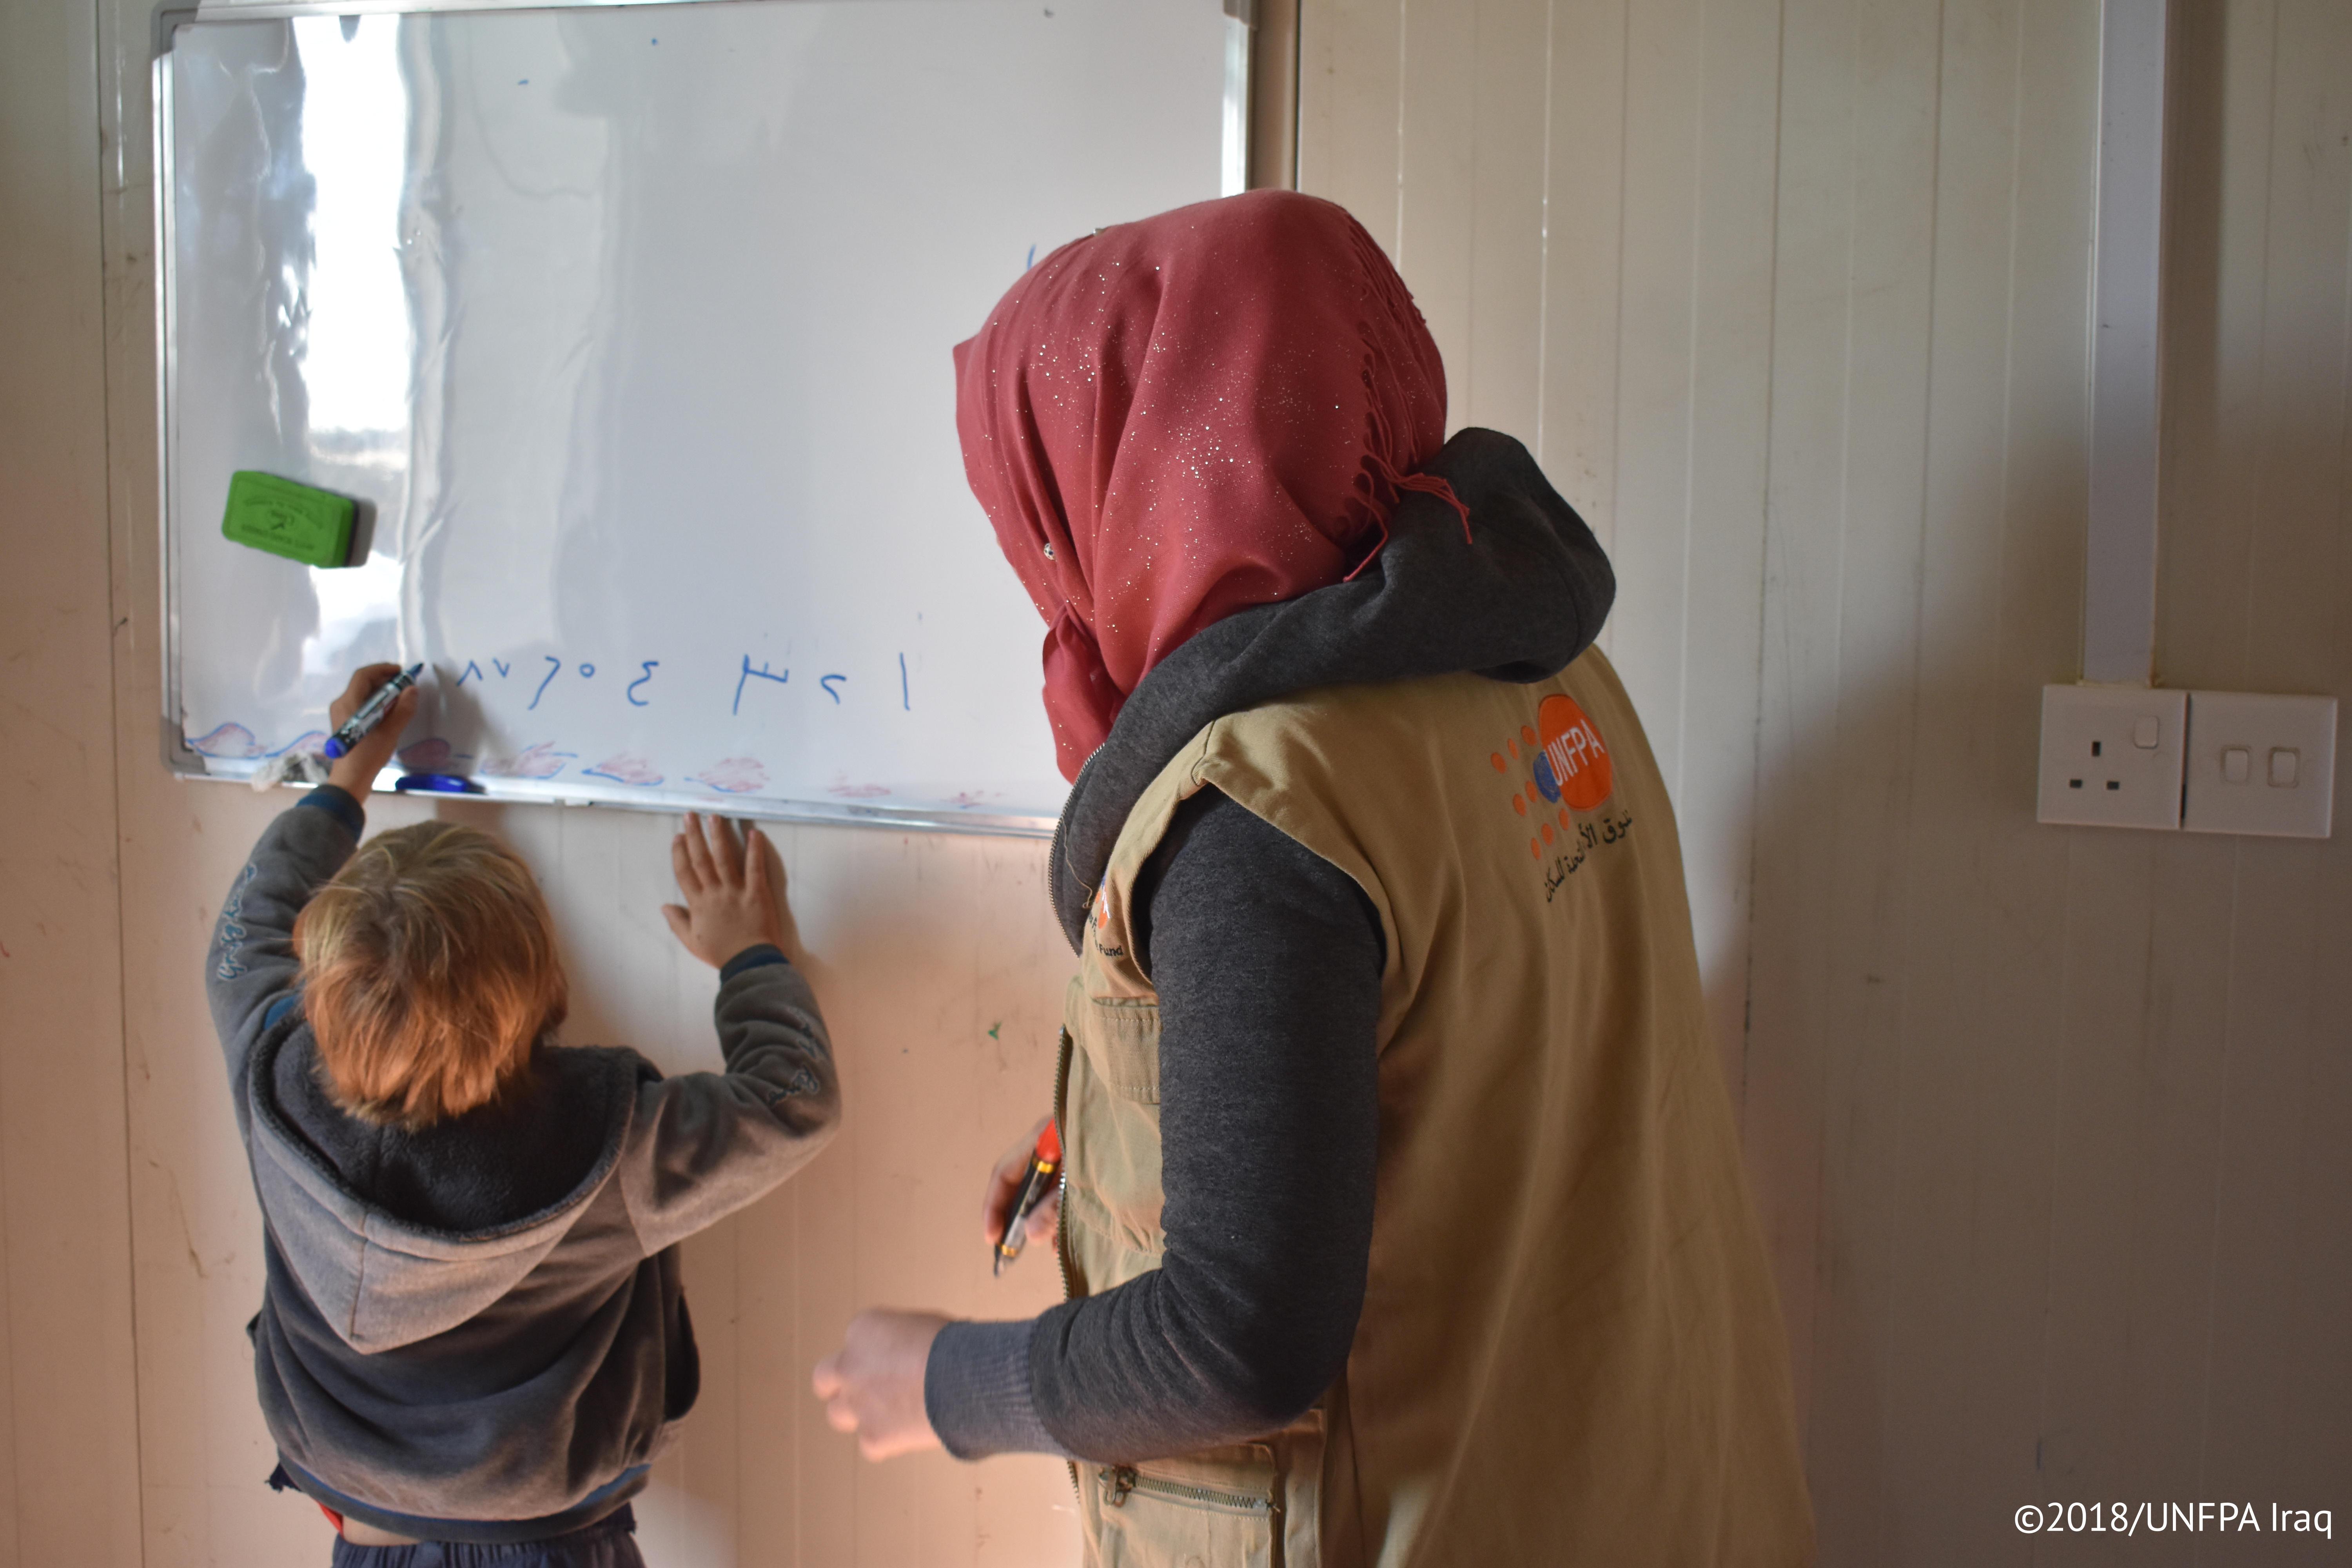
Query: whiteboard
pixel 630 329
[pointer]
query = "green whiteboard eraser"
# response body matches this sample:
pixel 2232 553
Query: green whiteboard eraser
pixel 286 518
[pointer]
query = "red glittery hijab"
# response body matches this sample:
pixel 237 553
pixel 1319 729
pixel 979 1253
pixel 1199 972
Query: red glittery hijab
pixel 1179 418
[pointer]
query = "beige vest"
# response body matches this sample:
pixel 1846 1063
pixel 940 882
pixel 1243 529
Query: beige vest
pixel 1570 1351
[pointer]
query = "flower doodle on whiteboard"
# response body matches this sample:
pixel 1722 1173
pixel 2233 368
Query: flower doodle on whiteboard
pixel 736 775
pixel 540 762
pixel 226 740
pixel 628 768
pixel 235 743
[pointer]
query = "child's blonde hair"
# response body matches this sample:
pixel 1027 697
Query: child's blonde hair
pixel 429 972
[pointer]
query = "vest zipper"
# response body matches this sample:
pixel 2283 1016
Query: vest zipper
pixel 1062 1184
pixel 1120 1479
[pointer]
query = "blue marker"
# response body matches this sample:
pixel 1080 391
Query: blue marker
pixel 440 783
pixel 371 711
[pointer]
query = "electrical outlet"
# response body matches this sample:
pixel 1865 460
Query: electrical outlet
pixel 2111 755
pixel 2260 763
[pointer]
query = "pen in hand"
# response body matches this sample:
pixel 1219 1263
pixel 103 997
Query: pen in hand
pixel 352 731
pixel 1045 1168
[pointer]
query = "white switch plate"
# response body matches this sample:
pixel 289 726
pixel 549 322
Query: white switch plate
pixel 2280 735
pixel 2094 772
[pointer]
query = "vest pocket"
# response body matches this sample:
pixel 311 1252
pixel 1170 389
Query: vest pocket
pixel 1188 1513
pixel 1122 1039
pixel 1110 1139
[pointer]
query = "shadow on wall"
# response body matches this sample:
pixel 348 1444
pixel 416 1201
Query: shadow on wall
pixel 1902 993
pixel 2041 1118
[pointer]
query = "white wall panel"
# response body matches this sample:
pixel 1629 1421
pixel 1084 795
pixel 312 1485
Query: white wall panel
pixel 2035 1115
pixel 69 1453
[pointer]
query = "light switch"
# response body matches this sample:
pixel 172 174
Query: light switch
pixel 2282 746
pixel 2146 732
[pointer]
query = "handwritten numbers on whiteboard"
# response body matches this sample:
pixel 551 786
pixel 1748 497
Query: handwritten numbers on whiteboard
pixel 637 692
pixel 762 673
pixel 586 670
pixel 648 666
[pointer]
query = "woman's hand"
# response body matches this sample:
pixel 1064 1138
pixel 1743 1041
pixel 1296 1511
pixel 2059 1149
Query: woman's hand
pixel 873 1385
pixel 733 890
pixel 1004 1185
pixel 354 772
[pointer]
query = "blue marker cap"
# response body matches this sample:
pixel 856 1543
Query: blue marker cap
pixel 440 783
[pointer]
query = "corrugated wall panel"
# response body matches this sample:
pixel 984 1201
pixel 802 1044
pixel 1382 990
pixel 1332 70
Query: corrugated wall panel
pixel 69 1433
pixel 2040 1119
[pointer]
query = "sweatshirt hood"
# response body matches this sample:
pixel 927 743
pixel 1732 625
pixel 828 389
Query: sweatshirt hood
pixel 1517 601
pixel 381 1279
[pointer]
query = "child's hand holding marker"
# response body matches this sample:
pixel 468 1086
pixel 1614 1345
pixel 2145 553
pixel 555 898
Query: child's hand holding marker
pixel 732 890
pixel 371 754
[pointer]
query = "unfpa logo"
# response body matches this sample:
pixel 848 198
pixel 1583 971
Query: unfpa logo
pixel 1567 768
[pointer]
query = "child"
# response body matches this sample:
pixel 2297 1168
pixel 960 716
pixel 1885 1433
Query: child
pixel 471 1326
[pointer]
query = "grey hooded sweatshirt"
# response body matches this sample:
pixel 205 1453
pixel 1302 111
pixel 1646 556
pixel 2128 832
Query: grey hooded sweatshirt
pixel 476 1332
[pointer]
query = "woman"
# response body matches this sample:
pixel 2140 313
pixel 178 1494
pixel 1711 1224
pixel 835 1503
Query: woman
pixel 1404 1218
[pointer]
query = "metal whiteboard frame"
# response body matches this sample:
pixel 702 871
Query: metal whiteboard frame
pixel 186 763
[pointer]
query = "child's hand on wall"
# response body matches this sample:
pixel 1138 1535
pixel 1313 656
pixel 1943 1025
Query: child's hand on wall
pixel 356 770
pixel 733 894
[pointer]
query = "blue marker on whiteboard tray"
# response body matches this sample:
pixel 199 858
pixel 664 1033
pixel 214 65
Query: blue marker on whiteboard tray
pixel 439 783
pixel 355 728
